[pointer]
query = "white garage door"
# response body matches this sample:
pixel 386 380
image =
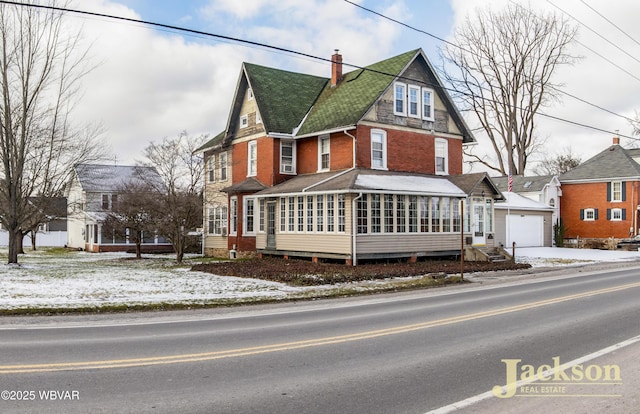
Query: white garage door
pixel 525 230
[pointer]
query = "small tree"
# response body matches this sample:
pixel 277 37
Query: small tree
pixel 558 164
pixel 559 231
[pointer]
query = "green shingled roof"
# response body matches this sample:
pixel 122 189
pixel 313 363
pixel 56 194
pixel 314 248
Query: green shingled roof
pixel 215 141
pixel 284 98
pixel 346 103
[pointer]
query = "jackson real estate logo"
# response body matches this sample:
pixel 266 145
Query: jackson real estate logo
pixel 557 380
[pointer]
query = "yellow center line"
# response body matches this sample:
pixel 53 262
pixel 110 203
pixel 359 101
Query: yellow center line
pixel 233 353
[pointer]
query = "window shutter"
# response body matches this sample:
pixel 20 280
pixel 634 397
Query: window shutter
pixel 595 214
pixel 608 214
pixel 624 212
pixel 582 214
pixel 624 191
pixel 608 191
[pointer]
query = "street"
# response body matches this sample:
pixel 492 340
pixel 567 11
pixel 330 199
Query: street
pixel 400 353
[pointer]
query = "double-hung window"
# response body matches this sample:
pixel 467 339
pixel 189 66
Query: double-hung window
pixel 287 157
pixel 616 191
pixel 252 161
pixel 378 149
pixel 414 101
pixel 212 169
pixel 223 166
pixel 250 216
pixel 442 167
pixel 400 99
pixel 324 153
pixel 427 104
pixel 233 202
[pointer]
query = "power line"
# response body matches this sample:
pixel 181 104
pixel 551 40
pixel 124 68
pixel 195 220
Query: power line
pixel 259 44
pixel 610 22
pixel 594 32
pixel 468 51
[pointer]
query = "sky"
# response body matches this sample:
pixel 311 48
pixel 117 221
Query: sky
pixel 149 84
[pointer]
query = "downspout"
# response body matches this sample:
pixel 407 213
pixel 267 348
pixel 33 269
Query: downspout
pixel 354 229
pixel 355 141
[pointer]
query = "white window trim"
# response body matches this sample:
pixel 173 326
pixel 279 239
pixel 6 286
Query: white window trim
pixel 258 118
pixel 293 157
pixel 430 117
pixel 383 135
pixel 445 144
pixel 233 216
pixel 404 98
pixel 613 184
pixel 245 207
pixel 250 94
pixel 244 121
pixel 418 101
pixel 613 214
pixel 252 148
pixel 320 139
pixel 586 214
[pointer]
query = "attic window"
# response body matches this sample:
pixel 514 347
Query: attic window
pixel 527 184
pixel 244 121
pixel 250 94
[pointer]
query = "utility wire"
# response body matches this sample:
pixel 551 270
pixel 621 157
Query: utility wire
pixel 594 32
pixel 471 52
pixel 610 22
pixel 263 45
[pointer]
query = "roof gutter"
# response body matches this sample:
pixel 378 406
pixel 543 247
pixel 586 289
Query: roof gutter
pixel 328 131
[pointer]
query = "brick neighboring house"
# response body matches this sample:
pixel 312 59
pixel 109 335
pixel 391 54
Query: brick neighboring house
pixel 357 166
pixel 600 197
pixel 92 192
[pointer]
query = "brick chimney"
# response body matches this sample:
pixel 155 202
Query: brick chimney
pixel 616 140
pixel 336 68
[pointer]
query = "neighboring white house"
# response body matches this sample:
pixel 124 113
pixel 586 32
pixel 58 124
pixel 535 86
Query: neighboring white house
pixel 544 189
pixel 93 191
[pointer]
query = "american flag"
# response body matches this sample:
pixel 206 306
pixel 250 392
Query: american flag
pixel 510 182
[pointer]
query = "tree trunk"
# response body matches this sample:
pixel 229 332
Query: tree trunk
pixel 14 239
pixel 20 241
pixel 33 240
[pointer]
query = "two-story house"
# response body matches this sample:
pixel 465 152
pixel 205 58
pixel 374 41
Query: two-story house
pixel 92 193
pixel 601 196
pixel 362 165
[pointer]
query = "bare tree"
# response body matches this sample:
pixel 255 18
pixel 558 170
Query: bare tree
pixel 504 63
pixel 133 216
pixel 558 164
pixel 181 171
pixel 41 63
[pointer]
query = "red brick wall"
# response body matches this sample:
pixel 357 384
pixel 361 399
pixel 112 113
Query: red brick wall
pixel 268 160
pixel 409 151
pixel 594 195
pixel 307 156
pixel 341 153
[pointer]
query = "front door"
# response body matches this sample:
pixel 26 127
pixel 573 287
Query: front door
pixel 271 225
pixel 479 224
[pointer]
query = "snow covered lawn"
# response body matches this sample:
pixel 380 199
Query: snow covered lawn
pixel 83 280
pixel 64 280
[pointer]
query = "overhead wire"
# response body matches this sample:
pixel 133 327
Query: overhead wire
pixel 561 91
pixel 610 22
pixel 256 44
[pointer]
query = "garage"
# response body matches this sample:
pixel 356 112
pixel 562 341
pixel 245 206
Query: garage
pixel 525 230
pixel 524 221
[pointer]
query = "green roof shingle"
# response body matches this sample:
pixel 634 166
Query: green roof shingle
pixel 346 103
pixel 283 97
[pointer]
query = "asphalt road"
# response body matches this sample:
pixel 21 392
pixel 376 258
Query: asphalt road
pixel 401 353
